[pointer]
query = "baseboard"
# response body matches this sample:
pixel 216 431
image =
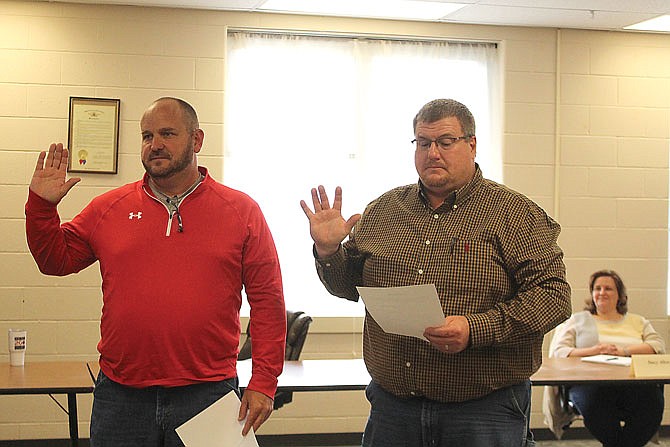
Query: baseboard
pixel 323 439
pixel 544 434
pixel 43 443
pixel 319 439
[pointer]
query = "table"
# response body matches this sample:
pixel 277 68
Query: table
pixel 574 371
pixel 315 375
pixel 72 378
pixel 69 378
pixel 351 374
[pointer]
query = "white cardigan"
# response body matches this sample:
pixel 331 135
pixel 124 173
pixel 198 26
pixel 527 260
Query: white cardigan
pixel 580 331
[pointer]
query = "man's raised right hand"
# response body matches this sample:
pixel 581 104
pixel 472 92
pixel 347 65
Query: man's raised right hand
pixel 50 173
pixel 326 224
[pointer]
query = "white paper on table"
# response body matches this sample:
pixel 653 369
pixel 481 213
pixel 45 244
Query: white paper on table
pixel 405 310
pixel 217 426
pixel 608 359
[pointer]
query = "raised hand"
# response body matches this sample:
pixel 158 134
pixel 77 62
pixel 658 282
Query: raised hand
pixel 326 224
pixel 48 179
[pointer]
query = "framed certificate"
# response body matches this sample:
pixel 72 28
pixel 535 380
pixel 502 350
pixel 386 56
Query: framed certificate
pixel 93 138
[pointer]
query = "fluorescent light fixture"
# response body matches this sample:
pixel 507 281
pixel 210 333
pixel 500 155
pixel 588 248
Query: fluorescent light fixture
pixel 660 23
pixel 389 9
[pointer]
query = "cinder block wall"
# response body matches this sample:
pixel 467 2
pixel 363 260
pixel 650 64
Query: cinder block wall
pixel 586 135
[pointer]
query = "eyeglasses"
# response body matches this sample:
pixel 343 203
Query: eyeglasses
pixel 444 143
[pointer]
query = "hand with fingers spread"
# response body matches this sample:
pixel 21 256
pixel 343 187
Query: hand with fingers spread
pixel 49 179
pixel 326 224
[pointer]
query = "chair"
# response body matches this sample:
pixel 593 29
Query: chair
pixel 568 405
pixel 297 325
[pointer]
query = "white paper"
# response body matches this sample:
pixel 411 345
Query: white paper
pixel 217 426
pixel 405 310
pixel 608 359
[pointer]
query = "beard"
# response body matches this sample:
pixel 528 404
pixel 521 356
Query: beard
pixel 174 165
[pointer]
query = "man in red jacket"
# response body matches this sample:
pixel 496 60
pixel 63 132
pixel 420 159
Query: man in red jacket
pixel 175 250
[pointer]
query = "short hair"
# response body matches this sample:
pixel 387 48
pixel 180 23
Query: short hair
pixel 438 109
pixel 622 302
pixel 190 116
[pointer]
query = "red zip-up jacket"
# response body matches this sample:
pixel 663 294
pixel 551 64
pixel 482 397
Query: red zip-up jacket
pixel 171 299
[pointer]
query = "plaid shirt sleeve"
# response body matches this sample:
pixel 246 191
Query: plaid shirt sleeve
pixel 541 300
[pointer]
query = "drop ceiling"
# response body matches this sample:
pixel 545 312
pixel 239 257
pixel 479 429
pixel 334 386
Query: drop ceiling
pixel 583 14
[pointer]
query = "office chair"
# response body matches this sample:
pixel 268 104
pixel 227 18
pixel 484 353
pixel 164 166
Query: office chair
pixel 297 325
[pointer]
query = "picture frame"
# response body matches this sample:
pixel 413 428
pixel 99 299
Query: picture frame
pixel 93 135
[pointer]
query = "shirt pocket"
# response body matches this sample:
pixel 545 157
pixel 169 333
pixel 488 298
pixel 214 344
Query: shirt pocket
pixel 478 278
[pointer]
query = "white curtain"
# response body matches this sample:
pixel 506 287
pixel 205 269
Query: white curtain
pixel 303 111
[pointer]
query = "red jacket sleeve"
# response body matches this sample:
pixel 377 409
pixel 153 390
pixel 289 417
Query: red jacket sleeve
pixel 56 248
pixel 263 285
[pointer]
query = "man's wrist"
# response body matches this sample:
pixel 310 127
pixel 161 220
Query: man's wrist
pixel 322 253
pixel 626 352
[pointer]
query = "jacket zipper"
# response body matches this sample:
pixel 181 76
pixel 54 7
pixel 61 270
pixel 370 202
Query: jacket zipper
pixel 170 214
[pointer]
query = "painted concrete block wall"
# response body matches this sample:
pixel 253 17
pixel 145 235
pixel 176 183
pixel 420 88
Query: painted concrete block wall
pixel 50 52
pixel 585 135
pixel 614 165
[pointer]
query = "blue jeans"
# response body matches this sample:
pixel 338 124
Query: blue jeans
pixel 147 417
pixel 500 419
pixel 639 407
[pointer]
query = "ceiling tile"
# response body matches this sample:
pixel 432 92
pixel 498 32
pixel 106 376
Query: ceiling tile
pixel 556 18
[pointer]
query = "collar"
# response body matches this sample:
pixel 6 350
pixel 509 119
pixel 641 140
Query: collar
pixel 176 199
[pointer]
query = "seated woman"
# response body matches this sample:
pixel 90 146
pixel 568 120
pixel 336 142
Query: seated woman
pixel 605 327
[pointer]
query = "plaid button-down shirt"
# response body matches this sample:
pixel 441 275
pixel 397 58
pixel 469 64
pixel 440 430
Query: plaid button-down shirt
pixel 492 255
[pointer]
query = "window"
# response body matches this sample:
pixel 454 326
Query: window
pixel 303 111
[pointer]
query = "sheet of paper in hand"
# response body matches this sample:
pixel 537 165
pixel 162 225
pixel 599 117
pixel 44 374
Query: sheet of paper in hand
pixel 404 310
pixel 217 426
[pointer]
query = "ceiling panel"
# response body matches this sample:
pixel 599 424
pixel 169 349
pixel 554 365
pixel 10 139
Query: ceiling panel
pixel 644 6
pixel 585 14
pixel 558 18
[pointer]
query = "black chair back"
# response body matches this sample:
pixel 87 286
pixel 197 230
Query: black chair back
pixel 297 326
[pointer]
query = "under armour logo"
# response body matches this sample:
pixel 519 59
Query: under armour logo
pixel 137 214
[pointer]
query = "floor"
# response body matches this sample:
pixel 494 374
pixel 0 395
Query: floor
pixel 578 437
pixel 563 443
pixel 589 443
pixel 664 442
pixel 572 443
pixel 578 443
